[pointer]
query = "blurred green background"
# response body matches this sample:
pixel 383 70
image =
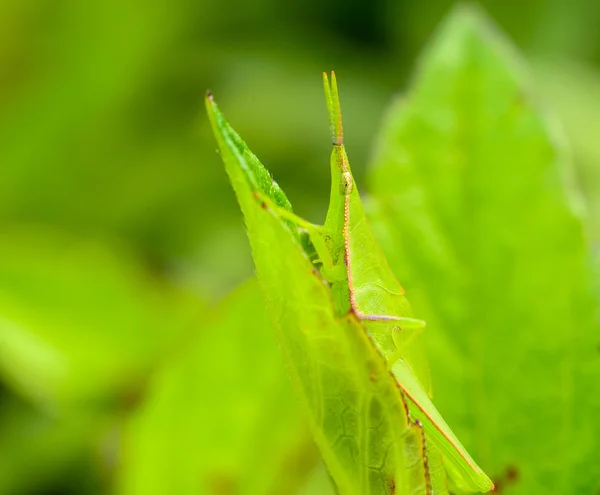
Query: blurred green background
pixel 121 366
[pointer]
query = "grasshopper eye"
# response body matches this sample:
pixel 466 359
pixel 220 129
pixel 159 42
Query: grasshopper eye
pixel 347 184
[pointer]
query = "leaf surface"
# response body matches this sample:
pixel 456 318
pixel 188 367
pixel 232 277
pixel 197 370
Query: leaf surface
pixel 220 416
pixel 471 205
pixel 80 321
pixel 377 299
pixel 354 407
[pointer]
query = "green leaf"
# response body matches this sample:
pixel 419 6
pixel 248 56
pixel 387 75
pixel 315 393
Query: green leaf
pixel 377 299
pixel 319 483
pixel 80 322
pixel 220 417
pixel 353 405
pixel 575 95
pixel 54 448
pixel 472 207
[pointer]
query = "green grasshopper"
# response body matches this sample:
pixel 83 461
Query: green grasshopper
pixel 350 260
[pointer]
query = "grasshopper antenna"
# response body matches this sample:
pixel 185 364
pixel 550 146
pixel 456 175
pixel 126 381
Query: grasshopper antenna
pixel 333 108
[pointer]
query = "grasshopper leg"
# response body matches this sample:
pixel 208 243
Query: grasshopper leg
pixel 330 271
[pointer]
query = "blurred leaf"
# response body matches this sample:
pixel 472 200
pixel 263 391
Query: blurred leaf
pixel 353 405
pixel 220 417
pixel 37 450
pixel 472 207
pixel 87 122
pixel 80 321
pixel 575 95
pixel 319 483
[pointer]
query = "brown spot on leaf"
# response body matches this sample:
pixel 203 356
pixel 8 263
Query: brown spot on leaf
pixel 222 484
pixel 512 474
pixel 497 486
pixel 133 396
pixel 392 486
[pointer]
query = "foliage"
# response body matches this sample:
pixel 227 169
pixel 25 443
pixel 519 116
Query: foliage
pixel 125 366
pixel 472 194
pixel 219 453
pixel 356 411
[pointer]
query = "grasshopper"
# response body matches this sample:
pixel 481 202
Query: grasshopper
pixel 350 259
